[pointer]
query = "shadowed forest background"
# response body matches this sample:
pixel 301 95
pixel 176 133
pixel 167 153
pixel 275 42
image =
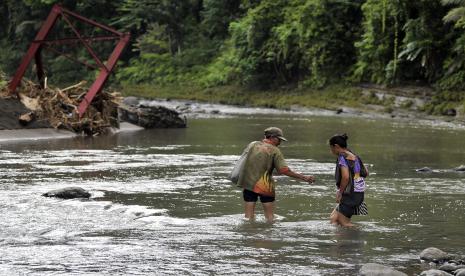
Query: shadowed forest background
pixel 269 45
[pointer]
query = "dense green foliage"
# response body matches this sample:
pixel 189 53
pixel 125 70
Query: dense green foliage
pixel 265 44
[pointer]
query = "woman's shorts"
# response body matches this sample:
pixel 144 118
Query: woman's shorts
pixel 250 196
pixel 349 202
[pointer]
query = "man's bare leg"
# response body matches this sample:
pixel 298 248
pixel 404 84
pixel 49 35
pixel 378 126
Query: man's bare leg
pixel 249 210
pixel 268 209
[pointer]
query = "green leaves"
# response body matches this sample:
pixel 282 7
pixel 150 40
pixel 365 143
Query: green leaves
pixel 453 76
pixel 309 42
pixel 262 43
pixel 402 41
pixel 379 41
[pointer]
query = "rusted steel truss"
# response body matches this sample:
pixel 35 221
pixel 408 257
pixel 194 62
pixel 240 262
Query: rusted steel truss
pixel 40 42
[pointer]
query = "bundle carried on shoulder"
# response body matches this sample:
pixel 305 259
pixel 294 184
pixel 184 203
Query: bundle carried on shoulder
pixel 239 166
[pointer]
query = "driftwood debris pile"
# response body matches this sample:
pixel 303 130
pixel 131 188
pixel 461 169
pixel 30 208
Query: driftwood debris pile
pixel 59 107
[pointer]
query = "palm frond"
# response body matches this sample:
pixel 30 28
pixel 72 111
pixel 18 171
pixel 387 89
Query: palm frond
pixel 453 2
pixel 455 15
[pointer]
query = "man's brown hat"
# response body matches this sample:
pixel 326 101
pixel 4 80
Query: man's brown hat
pixel 275 132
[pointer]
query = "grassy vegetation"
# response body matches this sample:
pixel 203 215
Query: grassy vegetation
pixel 332 97
pixel 442 103
pixel 329 98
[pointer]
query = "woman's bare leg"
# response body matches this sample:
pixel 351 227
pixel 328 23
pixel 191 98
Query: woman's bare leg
pixel 333 217
pixel 343 220
pixel 339 219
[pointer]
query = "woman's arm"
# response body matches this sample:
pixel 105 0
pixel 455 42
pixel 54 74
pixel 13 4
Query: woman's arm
pixel 366 170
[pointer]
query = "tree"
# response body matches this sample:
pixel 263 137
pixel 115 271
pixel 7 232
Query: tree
pixel 282 42
pixel 377 51
pixel 454 66
pixel 22 21
pixel 421 52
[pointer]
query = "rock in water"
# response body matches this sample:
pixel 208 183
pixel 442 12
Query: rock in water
pixel 432 254
pixel 460 168
pixel 424 169
pixel 448 267
pixel 435 272
pixel 152 116
pixel 372 269
pixel 68 193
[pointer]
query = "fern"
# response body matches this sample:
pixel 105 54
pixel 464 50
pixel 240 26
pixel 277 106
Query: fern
pixel 455 15
pixel 453 2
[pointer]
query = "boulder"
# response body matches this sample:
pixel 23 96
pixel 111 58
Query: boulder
pixel 152 116
pixel 452 266
pixel 435 272
pixel 450 112
pixel 448 267
pixel 131 101
pixel 372 269
pixel 433 254
pixel 460 272
pixel 460 168
pixel 68 193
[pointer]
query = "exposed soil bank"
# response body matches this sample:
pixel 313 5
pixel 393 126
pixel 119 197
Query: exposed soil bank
pixel 10 110
pixel 409 102
pixel 195 109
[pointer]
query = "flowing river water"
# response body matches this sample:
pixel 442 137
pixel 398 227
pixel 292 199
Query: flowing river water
pixel 161 203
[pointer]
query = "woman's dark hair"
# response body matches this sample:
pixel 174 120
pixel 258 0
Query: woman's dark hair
pixel 339 139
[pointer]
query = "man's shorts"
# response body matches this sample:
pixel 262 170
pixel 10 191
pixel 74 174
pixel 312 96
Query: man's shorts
pixel 250 196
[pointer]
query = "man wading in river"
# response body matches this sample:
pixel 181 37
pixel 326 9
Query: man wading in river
pixel 256 176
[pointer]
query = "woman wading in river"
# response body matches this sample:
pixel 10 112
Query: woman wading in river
pixel 350 182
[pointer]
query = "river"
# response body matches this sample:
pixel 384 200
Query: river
pixel 161 203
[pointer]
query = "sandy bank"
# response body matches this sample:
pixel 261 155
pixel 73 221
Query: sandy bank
pixel 17 135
